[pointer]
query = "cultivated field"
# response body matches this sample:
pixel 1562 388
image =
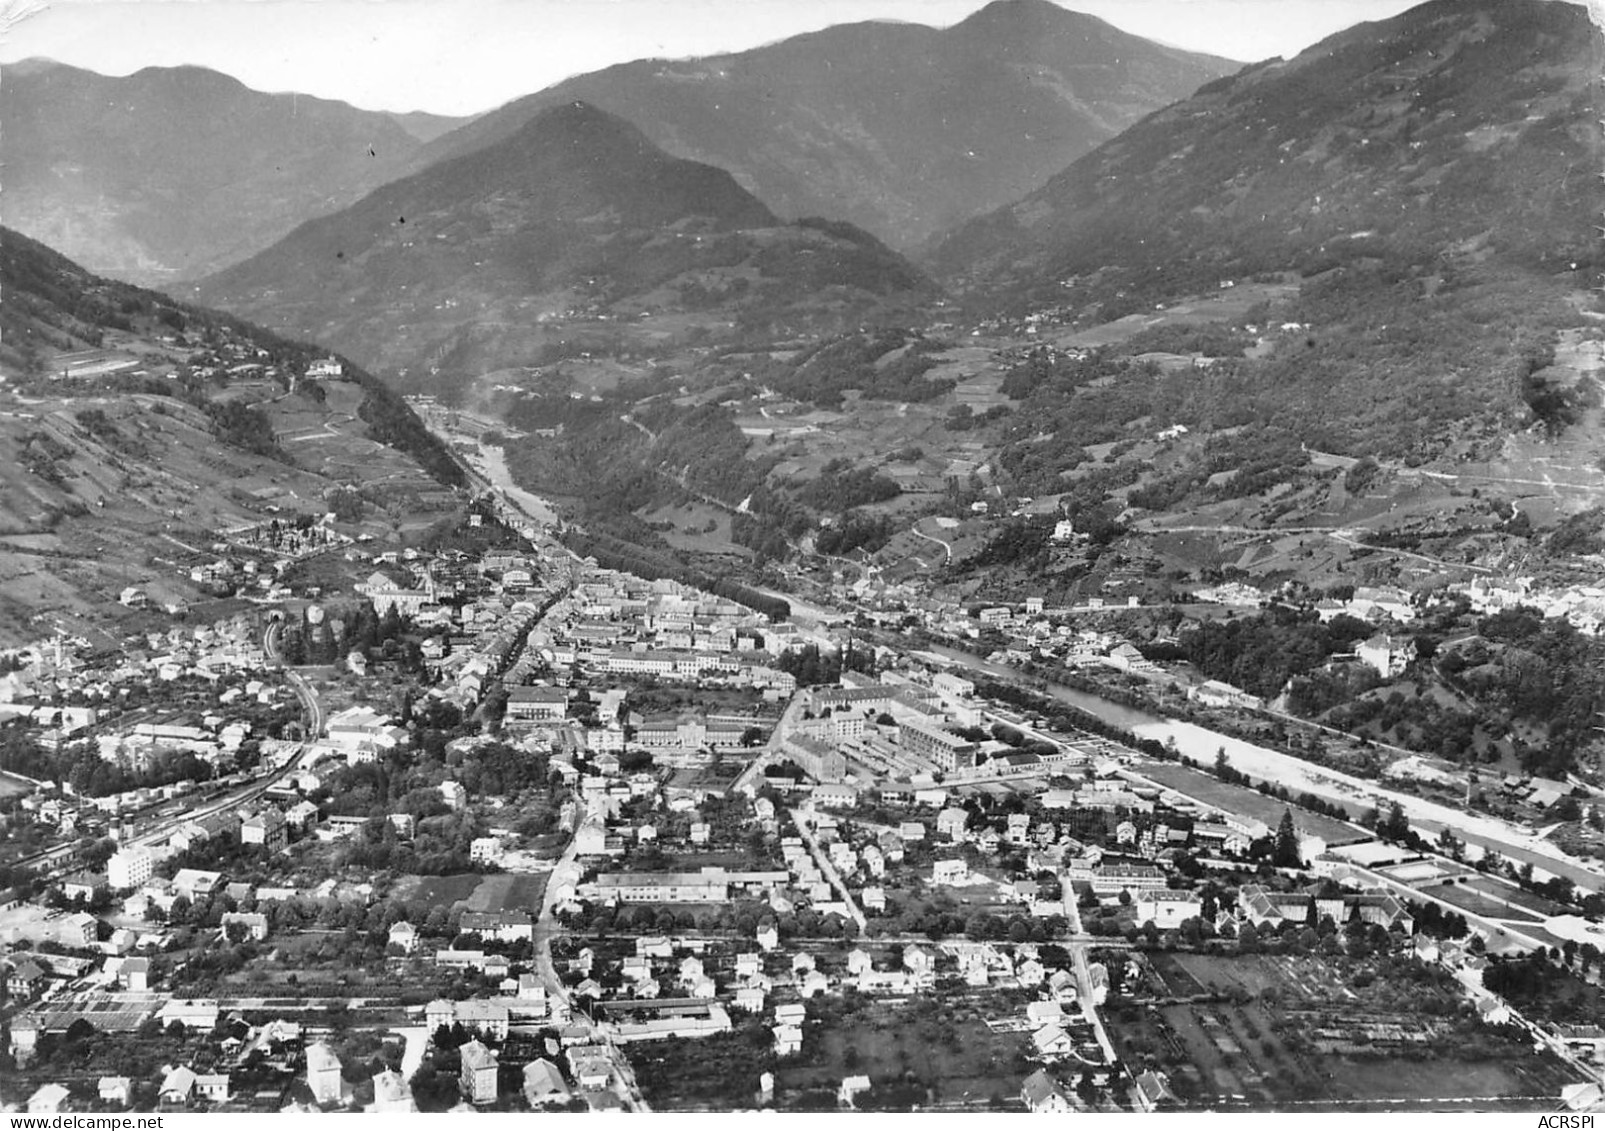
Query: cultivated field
pixel 437 891
pixel 1324 1033
pixel 1476 902
pixel 509 892
pixel 942 1050
pixel 1250 803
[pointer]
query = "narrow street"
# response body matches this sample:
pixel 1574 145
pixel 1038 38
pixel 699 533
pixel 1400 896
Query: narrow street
pixel 547 927
pixel 829 869
pixel 1078 955
pixel 772 751
pixel 567 871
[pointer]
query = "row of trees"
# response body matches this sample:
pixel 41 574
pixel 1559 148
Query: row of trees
pixel 611 553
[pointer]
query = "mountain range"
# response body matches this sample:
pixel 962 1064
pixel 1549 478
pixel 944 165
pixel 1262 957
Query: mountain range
pixel 900 129
pixel 487 258
pixel 175 172
pixel 1454 127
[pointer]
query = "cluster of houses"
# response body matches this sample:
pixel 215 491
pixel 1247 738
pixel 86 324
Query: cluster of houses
pixel 1582 606
pixel 615 624
pixel 319 1078
pixel 99 681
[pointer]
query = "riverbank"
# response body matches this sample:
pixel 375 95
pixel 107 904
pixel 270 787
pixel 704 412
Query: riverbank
pixel 491 462
pixel 1202 744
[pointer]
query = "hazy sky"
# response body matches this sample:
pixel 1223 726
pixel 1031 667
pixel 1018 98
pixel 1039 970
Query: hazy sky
pixel 462 56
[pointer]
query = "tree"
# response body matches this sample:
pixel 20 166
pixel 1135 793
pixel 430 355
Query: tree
pixel 1286 853
pixel 1396 827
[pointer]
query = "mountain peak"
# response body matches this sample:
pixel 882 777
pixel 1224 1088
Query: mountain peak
pixel 33 65
pixel 901 129
pixel 179 170
pixel 582 119
pixel 1016 14
pixel 1412 133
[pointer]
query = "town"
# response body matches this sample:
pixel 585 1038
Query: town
pixel 484 824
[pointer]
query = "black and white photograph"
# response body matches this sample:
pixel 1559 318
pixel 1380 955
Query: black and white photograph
pixel 972 557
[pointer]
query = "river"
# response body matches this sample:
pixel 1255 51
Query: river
pixel 1356 794
pixel 491 462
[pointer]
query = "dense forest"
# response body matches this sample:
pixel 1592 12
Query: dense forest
pixel 887 365
pixel 1261 654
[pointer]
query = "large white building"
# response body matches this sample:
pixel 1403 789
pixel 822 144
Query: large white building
pixel 323 1073
pixel 933 741
pixel 129 868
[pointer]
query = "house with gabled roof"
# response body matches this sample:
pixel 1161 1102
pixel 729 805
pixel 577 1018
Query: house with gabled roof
pixel 1041 1093
pixel 47 1100
pixel 178 1086
pixel 403 935
pixel 1384 910
pixel 544 1084
pixel 1052 1042
pixel 391 1093
pixel 479 1066
pixel 24 979
pixel 1149 1090
pixel 323 1073
pixel 788 1040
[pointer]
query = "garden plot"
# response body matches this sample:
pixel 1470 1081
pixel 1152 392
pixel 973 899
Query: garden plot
pixel 943 1047
pixel 1323 1032
pixel 508 892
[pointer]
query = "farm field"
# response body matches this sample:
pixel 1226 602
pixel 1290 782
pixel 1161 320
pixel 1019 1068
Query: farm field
pixel 940 1052
pixel 1325 1033
pixel 509 892
pixel 1509 893
pixel 1468 898
pixel 695 527
pixel 1249 803
pixel 505 891
pixel 917 1053
pixel 440 891
pixel 319 963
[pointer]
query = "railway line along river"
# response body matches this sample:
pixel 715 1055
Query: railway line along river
pixel 1356 794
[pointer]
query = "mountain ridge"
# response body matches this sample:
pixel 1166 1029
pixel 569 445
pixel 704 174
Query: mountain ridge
pixel 96 167
pixel 1324 144
pixel 567 219
pixel 898 128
